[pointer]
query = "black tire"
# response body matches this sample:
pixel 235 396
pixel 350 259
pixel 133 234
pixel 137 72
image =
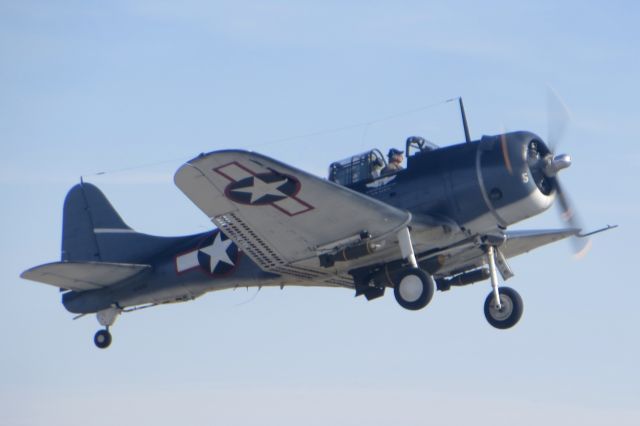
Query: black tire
pixel 511 312
pixel 413 289
pixel 102 339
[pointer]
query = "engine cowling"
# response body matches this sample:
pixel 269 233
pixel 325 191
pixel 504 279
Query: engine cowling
pixel 514 185
pixel 510 178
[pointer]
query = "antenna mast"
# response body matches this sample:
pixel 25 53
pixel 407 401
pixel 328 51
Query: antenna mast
pixel 464 121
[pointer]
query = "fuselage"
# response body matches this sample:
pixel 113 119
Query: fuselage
pixel 180 272
pixel 481 187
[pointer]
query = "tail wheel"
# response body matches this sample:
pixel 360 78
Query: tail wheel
pixel 510 312
pixel 414 289
pixel 102 339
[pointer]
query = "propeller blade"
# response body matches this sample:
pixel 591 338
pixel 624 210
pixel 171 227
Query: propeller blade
pixel 568 214
pixel 558 117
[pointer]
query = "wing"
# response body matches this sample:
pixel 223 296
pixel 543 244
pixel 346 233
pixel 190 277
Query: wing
pixel 83 276
pixel 284 218
pixel 520 242
pixel 467 256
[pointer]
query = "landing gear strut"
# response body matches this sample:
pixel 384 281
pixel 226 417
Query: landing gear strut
pixel 503 306
pixel 106 318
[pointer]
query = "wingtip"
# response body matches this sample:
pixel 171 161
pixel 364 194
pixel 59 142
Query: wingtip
pixel 27 273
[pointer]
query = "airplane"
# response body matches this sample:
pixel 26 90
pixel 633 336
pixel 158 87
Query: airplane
pixel 440 222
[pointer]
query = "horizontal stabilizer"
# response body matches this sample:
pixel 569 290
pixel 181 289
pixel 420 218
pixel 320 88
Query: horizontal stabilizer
pixel 83 276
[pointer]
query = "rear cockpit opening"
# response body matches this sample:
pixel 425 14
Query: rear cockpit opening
pixel 361 167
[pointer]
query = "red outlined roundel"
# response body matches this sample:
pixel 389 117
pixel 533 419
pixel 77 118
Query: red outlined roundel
pixel 262 189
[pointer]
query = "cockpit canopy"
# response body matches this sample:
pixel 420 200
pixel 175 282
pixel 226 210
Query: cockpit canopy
pixel 368 165
pixel 364 166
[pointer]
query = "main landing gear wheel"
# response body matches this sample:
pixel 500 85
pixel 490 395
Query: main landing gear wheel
pixel 102 339
pixel 510 312
pixel 414 289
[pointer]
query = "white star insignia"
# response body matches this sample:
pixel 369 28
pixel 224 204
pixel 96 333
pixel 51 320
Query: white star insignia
pixel 261 189
pixel 217 252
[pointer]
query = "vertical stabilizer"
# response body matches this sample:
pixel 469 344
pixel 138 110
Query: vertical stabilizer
pixel 86 210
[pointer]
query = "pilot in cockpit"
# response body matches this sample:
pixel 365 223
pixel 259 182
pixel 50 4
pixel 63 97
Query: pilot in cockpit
pixel 396 157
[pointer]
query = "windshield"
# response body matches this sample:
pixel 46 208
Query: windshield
pixel 418 144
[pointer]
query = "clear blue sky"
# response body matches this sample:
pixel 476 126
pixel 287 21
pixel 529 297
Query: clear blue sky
pixel 92 86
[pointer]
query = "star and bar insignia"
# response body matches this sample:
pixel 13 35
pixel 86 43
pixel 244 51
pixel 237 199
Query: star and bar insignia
pixel 261 189
pixel 216 254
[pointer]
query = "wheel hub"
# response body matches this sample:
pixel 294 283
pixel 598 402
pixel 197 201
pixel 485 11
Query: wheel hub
pixel 504 312
pixel 411 288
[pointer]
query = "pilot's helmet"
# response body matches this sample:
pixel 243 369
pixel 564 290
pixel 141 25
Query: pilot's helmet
pixel 394 151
